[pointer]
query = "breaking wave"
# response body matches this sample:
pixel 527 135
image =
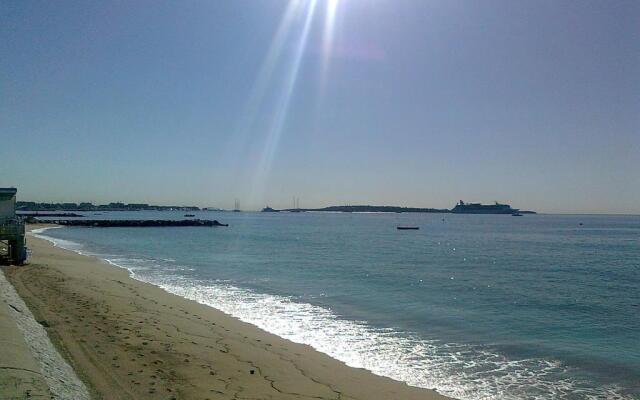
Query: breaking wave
pixel 459 370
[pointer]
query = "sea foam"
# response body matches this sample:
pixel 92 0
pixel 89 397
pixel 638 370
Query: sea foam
pixel 459 370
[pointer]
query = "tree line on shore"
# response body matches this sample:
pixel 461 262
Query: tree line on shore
pixel 36 206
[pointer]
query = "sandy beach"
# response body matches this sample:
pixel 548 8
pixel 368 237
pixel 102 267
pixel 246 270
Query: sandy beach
pixel 131 340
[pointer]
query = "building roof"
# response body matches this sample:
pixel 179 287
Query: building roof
pixel 7 193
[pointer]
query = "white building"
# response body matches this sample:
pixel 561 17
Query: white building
pixel 11 229
pixel 7 203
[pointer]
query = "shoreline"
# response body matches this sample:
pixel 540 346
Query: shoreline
pixel 136 339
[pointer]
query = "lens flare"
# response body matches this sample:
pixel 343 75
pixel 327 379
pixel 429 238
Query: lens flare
pixel 327 38
pixel 268 67
pixel 283 101
pixel 293 32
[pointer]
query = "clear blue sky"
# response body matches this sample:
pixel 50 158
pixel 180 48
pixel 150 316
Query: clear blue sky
pixel 420 103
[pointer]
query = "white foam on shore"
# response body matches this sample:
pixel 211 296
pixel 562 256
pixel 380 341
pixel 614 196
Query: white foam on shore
pixel 62 380
pixel 460 371
pixel 456 370
pixel 61 243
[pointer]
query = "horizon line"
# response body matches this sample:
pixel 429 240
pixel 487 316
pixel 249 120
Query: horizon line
pixel 320 207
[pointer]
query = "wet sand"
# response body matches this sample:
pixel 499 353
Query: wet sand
pixel 131 340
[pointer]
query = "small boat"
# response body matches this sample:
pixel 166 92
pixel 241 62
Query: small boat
pixel 407 228
pixel 189 215
pixel 516 215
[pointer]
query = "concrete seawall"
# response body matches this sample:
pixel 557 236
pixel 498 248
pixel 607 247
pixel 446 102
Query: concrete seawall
pixel 30 366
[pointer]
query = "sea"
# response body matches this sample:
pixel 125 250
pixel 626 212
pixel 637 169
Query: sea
pixel 475 306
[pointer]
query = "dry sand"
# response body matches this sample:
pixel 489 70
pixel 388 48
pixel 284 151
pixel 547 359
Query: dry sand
pixel 131 340
pixel 30 365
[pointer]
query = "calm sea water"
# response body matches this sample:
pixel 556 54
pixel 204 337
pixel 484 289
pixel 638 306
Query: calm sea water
pixel 477 306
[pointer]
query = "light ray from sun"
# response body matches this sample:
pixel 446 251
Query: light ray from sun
pixel 275 130
pixel 265 75
pixel 327 38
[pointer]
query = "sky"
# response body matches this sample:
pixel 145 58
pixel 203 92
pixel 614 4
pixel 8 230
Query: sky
pixel 396 102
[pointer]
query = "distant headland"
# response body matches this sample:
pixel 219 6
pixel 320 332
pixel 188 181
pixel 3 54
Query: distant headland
pixel 460 208
pixel 366 208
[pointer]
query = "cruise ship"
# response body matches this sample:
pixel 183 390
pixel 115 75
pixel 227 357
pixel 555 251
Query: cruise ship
pixel 477 208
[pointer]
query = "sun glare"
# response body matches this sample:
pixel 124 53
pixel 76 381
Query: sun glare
pixel 296 14
pixel 327 37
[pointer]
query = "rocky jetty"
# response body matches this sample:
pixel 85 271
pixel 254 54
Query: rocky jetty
pixel 48 214
pixel 137 223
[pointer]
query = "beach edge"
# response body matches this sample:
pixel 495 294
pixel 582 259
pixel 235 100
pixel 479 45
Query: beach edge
pixel 72 292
